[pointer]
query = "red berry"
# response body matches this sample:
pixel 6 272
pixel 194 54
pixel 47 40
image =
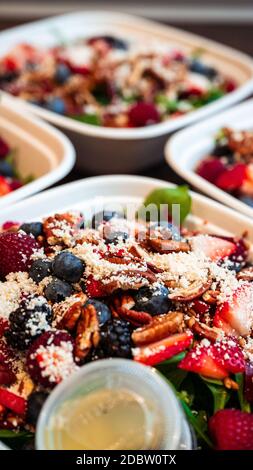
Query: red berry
pixel 230 85
pixel 4 148
pixel 232 430
pixel 7 376
pixel 229 355
pixel 200 307
pixel 9 225
pixel 16 250
pixel 233 178
pixel 201 361
pixel 4 325
pixel 143 114
pixel 164 349
pixel 50 358
pixel 210 169
pixel 248 391
pixel 15 184
pixel 215 248
pixel 5 187
pixel 12 402
pixel 94 287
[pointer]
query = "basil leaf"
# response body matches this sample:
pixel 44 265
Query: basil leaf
pixel 220 394
pixel 169 197
pixel 170 106
pixel 197 424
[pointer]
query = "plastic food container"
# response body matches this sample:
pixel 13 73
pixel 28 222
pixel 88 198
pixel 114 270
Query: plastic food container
pixel 85 194
pixel 188 147
pixel 40 150
pixel 108 150
pixel 162 413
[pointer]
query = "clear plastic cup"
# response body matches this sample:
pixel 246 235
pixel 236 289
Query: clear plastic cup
pixel 164 426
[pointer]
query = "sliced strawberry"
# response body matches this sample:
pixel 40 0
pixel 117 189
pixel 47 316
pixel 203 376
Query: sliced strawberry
pixel 4 186
pixel 12 402
pixel 228 354
pixel 201 361
pixel 219 322
pixel 210 169
pixel 232 178
pixel 215 248
pixel 161 350
pixel 94 288
pixel 200 307
pixel 232 430
pixel 237 311
pixel 16 250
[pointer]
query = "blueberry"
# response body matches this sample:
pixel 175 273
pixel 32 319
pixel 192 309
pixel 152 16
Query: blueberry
pixel 105 216
pixel 103 312
pixel 34 405
pixel 62 73
pixel 153 300
pixel 199 67
pixel 56 105
pixel 58 290
pixel 40 269
pixel 247 200
pixel 33 228
pixel 68 267
pixel 6 169
pixel 115 237
pixel 115 43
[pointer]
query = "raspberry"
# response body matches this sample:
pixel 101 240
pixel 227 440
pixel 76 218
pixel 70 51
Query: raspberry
pixel 143 114
pixel 232 430
pixel 50 358
pixel 233 178
pixel 210 169
pixel 16 250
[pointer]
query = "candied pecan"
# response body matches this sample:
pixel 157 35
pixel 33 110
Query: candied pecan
pixel 210 296
pixel 134 317
pixel 160 327
pixel 203 330
pixel 196 289
pixel 129 279
pixel 66 313
pixel 240 141
pixel 60 228
pixel 168 246
pixel 230 384
pixel 88 334
pixel 246 274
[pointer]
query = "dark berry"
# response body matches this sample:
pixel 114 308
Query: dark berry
pixel 153 300
pixel 6 169
pixel 56 105
pixel 197 66
pixel 112 41
pixel 33 228
pixel 57 290
pixel 103 311
pixel 40 269
pixel 4 148
pixel 7 376
pixel 62 73
pixel 115 237
pixel 29 321
pixel 68 267
pixel 247 200
pixel 34 404
pixel 210 169
pixel 105 216
pixel 115 339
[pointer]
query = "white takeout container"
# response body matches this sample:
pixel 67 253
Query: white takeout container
pixel 40 150
pixel 206 214
pixel 109 150
pixel 187 148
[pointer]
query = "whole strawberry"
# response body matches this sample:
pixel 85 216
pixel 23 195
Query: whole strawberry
pixel 232 430
pixel 16 249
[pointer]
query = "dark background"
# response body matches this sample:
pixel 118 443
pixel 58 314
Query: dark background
pixel 226 21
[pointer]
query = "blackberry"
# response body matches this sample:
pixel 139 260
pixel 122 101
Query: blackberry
pixel 34 404
pixel 115 339
pixel 32 318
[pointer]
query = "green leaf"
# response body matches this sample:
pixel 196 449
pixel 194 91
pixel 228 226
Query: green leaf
pixel 220 394
pixel 244 404
pixel 92 119
pixel 196 423
pixel 169 197
pixel 170 106
pixel 6 434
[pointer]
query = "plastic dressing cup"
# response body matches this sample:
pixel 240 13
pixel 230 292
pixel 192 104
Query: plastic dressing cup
pixel 113 404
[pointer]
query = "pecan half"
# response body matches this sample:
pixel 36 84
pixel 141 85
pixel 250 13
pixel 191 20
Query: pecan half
pixel 168 246
pixel 60 228
pixel 196 289
pixel 160 327
pixel 67 313
pixel 129 279
pixel 88 334
pixel 204 331
pixel 246 274
pixel 240 141
pixel 210 296
pixel 122 307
